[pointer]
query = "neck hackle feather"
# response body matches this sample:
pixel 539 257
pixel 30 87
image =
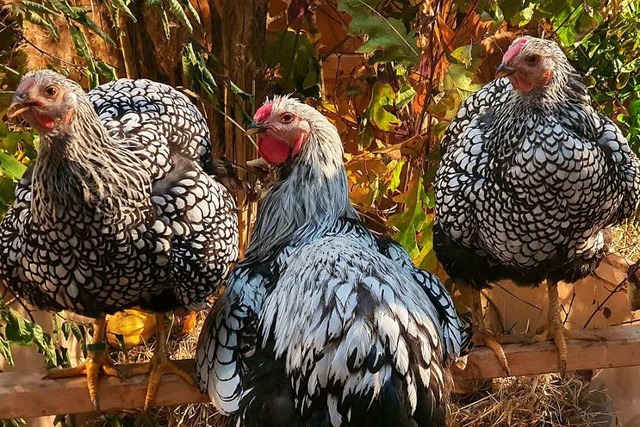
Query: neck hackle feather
pixel 84 169
pixel 311 192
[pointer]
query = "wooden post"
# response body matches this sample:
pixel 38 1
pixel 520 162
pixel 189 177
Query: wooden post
pixel 239 40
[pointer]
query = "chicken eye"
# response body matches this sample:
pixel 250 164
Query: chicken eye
pixel 532 59
pixel 286 118
pixel 51 91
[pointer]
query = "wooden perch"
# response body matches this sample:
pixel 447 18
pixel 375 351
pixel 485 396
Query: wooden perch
pixel 621 348
pixel 28 395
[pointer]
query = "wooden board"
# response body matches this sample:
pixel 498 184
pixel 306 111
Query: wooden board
pixel 28 395
pixel 621 348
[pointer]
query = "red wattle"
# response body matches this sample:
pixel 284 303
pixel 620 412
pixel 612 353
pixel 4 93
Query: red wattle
pixel 298 145
pixel 44 121
pixel 524 84
pixel 273 151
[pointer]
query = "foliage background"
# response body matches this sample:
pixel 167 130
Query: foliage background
pixel 389 73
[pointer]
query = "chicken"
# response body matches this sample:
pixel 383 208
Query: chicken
pixel 117 211
pixel 530 179
pixel 322 323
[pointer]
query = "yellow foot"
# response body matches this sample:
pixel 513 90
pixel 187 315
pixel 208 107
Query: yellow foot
pixel 97 362
pixel 157 369
pixel 559 336
pixel 483 336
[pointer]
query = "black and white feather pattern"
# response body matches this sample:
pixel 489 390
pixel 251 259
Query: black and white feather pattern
pixel 128 217
pixel 334 328
pixel 344 320
pixel 528 183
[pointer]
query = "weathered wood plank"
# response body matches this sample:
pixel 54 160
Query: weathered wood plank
pixel 28 395
pixel 621 348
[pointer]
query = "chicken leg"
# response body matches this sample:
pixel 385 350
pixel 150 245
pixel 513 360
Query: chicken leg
pixel 159 365
pixel 482 335
pixel 555 329
pixel 98 361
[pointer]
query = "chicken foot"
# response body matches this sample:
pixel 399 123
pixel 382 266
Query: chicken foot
pixel 482 335
pixel 556 331
pixel 159 365
pixel 98 361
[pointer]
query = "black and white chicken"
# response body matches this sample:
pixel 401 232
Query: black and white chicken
pixel 530 178
pixel 324 324
pixel 117 210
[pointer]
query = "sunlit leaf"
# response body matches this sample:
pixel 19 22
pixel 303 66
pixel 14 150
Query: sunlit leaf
pixel 123 6
pixel 382 97
pixel 23 332
pixel 5 350
pixel 10 167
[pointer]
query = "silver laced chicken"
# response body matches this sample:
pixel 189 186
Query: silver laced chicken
pixel 323 324
pixel 530 179
pixel 117 210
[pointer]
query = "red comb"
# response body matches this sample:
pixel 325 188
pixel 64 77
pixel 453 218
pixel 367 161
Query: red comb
pixel 513 51
pixel 26 84
pixel 263 112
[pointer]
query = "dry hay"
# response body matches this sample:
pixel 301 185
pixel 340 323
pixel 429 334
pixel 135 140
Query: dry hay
pixel 540 400
pixel 625 240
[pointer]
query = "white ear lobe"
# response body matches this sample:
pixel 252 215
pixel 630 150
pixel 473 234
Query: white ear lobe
pixel 72 98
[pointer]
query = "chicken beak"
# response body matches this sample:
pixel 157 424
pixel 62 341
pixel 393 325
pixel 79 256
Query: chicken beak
pixel 19 105
pixel 254 128
pixel 16 109
pixel 504 70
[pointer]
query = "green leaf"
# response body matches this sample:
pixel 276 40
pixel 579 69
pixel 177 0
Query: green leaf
pixel 11 167
pixel 106 70
pixel 80 42
pixel 166 27
pixel 405 95
pixel 382 96
pixel 15 422
pixel 242 94
pixel 413 219
pixel 176 9
pixel 123 6
pixel 461 78
pixel 297 61
pixel 464 54
pixel 511 8
pixel 5 350
pixel 386 36
pixel 7 193
pixel 394 183
pixel 193 12
pixel 22 332
pixel 36 7
pixel 79 14
pixel 43 22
